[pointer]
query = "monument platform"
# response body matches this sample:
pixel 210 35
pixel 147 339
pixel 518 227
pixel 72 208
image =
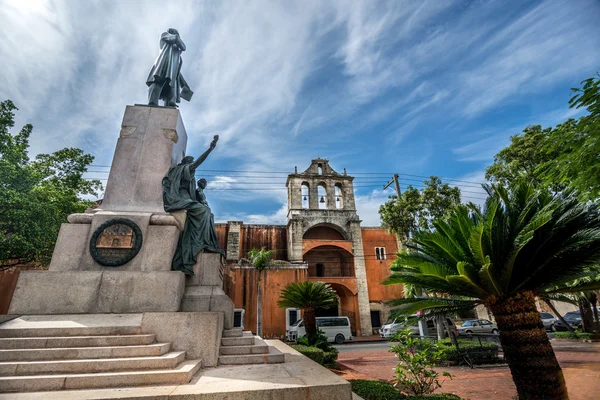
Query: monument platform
pixel 114 356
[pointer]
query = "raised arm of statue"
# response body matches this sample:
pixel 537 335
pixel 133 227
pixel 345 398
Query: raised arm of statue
pixel 201 159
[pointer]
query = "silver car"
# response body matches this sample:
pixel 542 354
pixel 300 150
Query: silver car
pixel 548 320
pixel 478 326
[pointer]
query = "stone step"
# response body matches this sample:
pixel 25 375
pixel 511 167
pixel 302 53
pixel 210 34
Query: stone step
pixel 182 373
pixel 273 357
pixel 155 349
pixel 166 361
pixel 235 332
pixel 68 331
pixel 238 350
pixel 238 341
pixel 259 347
pixel 75 341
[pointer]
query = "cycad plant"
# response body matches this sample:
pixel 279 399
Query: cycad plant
pixel 308 296
pixel 261 260
pixel 525 243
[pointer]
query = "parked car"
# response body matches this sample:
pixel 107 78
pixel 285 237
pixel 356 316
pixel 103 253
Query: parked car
pixel 548 320
pixel 477 326
pixel 392 327
pixel 336 329
pixel 573 318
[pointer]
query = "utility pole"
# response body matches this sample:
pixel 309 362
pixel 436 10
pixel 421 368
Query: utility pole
pixel 395 181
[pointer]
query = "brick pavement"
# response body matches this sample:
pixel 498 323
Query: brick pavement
pixel 580 363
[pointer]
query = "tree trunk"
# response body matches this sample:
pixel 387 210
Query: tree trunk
pixel 594 302
pixel 310 324
pixel 450 331
pixel 527 350
pixel 555 311
pixel 439 326
pixel 587 320
pixel 259 331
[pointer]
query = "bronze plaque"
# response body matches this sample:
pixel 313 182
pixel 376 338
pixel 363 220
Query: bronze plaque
pixel 116 242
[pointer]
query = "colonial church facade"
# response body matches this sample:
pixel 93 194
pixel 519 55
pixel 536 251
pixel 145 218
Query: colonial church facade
pixel 322 241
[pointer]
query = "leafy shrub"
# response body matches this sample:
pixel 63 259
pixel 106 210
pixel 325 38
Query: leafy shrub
pixel 314 353
pixel 414 373
pixel 330 353
pixel 375 390
pixel 378 390
pixel 474 350
pixel 573 335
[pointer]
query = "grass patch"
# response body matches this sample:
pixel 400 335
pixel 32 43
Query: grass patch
pixel 378 390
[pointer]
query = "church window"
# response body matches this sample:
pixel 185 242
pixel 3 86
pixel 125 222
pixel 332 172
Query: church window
pixel 380 253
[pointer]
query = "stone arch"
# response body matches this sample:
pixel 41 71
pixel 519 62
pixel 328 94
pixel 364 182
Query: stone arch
pixel 329 261
pixel 305 194
pixel 339 196
pixel 339 229
pixel 322 195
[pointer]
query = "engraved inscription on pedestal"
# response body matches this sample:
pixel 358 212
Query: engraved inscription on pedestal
pixel 116 242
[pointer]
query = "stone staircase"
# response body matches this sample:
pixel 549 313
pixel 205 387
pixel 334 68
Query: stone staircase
pixel 54 358
pixel 239 347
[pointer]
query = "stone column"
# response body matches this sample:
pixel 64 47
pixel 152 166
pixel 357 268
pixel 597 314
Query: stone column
pixel 313 198
pixel 152 139
pixel 233 240
pixel 294 229
pixel 330 197
pixel 364 308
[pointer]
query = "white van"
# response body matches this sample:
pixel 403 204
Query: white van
pixel 336 329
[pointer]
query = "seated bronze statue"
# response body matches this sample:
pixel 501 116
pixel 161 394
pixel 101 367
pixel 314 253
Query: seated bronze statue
pixel 181 193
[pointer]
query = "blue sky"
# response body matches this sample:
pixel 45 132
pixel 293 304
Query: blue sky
pixel 414 87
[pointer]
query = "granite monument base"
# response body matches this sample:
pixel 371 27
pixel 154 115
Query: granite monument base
pixel 204 290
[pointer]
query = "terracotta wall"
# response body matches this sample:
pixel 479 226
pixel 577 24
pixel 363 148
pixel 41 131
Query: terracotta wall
pixel 271 237
pixel 222 230
pixel 8 282
pixel 242 290
pixel 378 270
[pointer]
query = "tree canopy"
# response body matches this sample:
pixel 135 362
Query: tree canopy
pixel 567 155
pixel 36 196
pixel 527 242
pixel 417 208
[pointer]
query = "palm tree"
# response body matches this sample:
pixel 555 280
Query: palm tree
pixel 260 260
pixel 308 296
pixel 526 243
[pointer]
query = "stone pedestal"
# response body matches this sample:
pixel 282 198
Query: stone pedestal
pixel 204 290
pixel 152 139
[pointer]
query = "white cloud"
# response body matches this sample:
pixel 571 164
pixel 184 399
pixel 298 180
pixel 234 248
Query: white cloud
pixel 367 207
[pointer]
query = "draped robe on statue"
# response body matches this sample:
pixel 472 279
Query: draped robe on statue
pixel 167 68
pixel 199 234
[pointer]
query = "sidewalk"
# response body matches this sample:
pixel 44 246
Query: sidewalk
pixel 365 339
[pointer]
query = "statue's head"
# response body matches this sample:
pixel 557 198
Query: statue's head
pixel 173 31
pixel 187 160
pixel 202 183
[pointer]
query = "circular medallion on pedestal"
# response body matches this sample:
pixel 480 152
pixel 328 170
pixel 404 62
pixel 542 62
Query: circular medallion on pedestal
pixel 116 242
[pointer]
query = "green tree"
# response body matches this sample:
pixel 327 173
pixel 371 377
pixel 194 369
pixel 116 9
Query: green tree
pixel 526 243
pixel 522 158
pixel 308 296
pixel 261 260
pixel 417 208
pixel 36 196
pixel 565 156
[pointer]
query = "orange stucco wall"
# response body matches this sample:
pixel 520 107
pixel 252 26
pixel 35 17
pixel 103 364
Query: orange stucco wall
pixel 378 270
pixel 242 290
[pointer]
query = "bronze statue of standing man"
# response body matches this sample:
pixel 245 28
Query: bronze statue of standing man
pixel 165 81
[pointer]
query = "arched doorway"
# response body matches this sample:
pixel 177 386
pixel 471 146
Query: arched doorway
pixel 347 306
pixel 329 261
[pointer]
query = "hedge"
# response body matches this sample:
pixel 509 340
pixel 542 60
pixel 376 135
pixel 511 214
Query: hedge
pixel 314 353
pixel 378 390
pixel 471 347
pixel 573 335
